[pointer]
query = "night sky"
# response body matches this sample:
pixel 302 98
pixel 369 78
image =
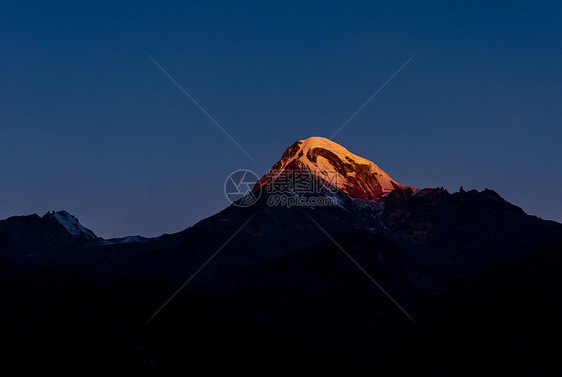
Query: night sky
pixel 89 124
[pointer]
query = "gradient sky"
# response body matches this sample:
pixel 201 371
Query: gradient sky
pixel 90 125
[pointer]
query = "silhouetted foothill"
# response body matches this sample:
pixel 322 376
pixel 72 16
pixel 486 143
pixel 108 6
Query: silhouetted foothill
pixel 462 279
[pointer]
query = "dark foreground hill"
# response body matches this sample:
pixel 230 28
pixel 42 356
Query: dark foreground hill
pixel 385 279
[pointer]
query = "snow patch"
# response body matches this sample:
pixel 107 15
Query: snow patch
pixel 124 240
pixel 72 225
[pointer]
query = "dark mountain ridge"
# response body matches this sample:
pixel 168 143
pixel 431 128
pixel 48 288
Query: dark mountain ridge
pixel 295 269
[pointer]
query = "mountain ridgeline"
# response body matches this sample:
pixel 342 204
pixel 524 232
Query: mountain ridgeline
pixel 392 276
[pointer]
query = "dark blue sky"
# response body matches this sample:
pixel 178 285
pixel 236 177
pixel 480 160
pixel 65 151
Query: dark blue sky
pixel 90 125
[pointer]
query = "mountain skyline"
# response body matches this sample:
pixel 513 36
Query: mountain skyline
pixel 464 281
pixel 296 157
pixel 91 125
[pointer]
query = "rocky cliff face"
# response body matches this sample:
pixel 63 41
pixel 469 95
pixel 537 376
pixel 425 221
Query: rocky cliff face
pixel 464 233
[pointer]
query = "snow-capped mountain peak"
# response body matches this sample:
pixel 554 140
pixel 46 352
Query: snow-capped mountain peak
pixel 72 225
pixel 356 176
